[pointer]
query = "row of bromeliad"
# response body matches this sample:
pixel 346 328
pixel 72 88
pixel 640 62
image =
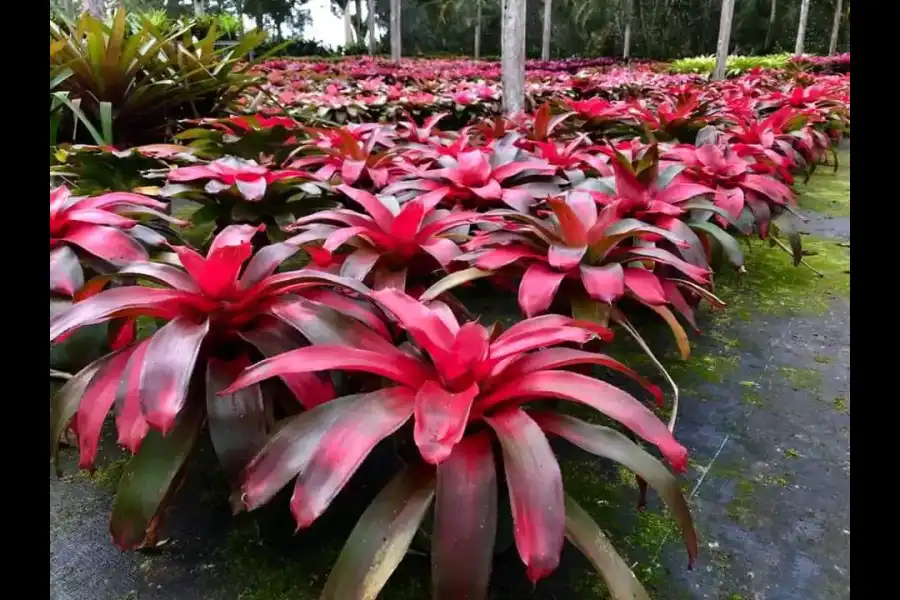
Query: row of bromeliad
pixel 588 225
pixel 367 90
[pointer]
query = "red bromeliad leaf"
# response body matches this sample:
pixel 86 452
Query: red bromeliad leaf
pixel 465 521
pixel 422 323
pixel 131 426
pixel 217 274
pixel 535 491
pixel 96 402
pixel 399 367
pixel 148 480
pixel 609 400
pixel 645 285
pixel 556 358
pixel 381 537
pixel 118 302
pixel 64 404
pixel 166 373
pixel 237 423
pixel 441 419
pixel 273 338
pixel 108 243
pixel 341 450
pixel 538 288
pixel 289 450
pixel 343 322
pixel 611 444
pixel 605 283
pixel 66 275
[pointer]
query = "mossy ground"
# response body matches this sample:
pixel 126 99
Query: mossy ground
pixel 828 191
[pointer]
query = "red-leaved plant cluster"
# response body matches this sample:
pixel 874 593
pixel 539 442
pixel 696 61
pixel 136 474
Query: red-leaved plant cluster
pixel 617 195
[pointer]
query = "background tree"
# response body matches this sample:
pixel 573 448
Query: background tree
pixel 725 20
pixel 801 26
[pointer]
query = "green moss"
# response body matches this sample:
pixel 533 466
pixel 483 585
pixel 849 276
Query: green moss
pixel 773 285
pixel 707 367
pixel 740 509
pixel 791 454
pixel 801 379
pixel 109 474
pixel 828 192
pixel 264 573
pixel 822 359
pixel 840 405
pixel 750 394
pixel 776 480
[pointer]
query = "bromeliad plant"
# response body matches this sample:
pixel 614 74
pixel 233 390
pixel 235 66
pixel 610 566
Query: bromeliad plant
pixel 593 260
pixel 149 77
pixel 102 231
pixel 745 196
pixel 391 243
pixel 164 387
pixel 462 388
pixel 485 177
pixel 238 190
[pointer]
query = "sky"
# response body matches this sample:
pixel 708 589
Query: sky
pixel 325 27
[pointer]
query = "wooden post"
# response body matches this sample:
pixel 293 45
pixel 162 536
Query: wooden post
pixel 545 40
pixel 770 31
pixel 477 29
pixel 371 21
pixel 801 27
pixel 724 39
pixel 835 28
pixel 513 57
pixel 395 31
pixel 626 46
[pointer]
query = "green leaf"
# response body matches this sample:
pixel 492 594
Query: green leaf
pixel 106 122
pixel 149 477
pixel 668 174
pixel 381 537
pixel 453 280
pixel 726 240
pixel 585 535
pixel 64 98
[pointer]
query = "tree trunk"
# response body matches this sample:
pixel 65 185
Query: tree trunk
pixel 513 57
pixel 770 31
pixel 477 29
pixel 371 20
pixel 199 8
pixel 348 27
pixel 395 31
pixel 626 46
pixel 724 38
pixel 95 8
pixel 835 28
pixel 358 24
pixel 502 26
pixel 548 25
pixel 801 27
